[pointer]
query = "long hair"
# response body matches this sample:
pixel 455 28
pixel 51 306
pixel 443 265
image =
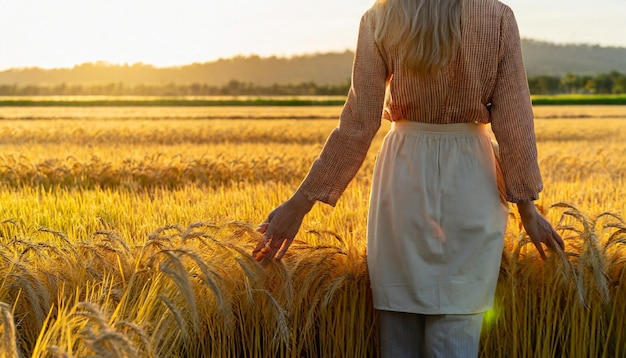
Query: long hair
pixel 428 32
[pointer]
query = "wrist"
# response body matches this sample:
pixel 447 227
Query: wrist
pixel 527 209
pixel 302 201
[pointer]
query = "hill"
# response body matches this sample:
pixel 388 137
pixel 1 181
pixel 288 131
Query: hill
pixel 322 68
pixel 545 58
pixel 541 58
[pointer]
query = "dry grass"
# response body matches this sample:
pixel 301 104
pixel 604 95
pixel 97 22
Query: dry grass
pixel 166 113
pixel 131 237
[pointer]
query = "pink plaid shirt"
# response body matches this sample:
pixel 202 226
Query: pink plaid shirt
pixel 485 83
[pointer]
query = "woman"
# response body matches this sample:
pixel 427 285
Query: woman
pixel 439 70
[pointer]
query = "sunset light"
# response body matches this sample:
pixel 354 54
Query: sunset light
pixel 165 33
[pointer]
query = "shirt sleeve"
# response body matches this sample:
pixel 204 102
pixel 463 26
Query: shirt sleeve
pixel 512 118
pixel 346 147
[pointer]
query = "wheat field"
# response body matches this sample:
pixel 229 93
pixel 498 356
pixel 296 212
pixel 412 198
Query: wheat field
pixel 127 232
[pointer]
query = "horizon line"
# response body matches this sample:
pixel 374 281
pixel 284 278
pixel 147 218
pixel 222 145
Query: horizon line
pixel 268 56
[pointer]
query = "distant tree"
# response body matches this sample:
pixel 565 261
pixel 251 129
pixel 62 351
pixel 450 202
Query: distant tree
pixel 591 86
pixel 619 82
pixel 613 82
pixel 604 84
pixel 8 90
pixel 32 91
pixel 195 89
pixel 544 84
pixel 570 83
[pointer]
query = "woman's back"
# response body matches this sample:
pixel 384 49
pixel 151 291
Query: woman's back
pixel 462 91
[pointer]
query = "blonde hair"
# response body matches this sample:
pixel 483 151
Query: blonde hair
pixel 428 32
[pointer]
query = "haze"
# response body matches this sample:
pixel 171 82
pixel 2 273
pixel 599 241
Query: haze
pixel 63 33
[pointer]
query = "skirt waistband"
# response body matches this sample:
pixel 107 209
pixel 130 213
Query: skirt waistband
pixel 409 126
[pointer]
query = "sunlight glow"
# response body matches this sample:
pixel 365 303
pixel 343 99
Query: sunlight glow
pixel 164 33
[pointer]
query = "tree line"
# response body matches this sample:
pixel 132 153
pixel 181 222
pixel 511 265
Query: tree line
pixel 611 83
pixel 232 88
pixel 604 83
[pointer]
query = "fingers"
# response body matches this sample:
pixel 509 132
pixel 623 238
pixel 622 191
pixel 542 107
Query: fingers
pixel 262 228
pixel 540 250
pixel 275 240
pixel 283 249
pixel 269 244
pixel 271 249
pixel 552 239
pixel 559 241
pixel 261 250
pixel 552 243
pixel 258 248
pixel 277 248
pixel 545 233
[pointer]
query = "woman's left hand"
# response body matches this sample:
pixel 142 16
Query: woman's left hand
pixel 539 229
pixel 281 227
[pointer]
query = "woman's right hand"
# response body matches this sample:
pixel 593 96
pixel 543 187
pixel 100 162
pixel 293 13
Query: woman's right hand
pixel 281 227
pixel 539 229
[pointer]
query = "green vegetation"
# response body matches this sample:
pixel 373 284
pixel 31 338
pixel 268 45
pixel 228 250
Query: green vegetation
pixel 606 84
pixel 171 102
pixel 232 88
pixel 580 99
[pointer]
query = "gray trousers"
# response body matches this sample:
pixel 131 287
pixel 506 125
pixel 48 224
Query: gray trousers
pixel 416 335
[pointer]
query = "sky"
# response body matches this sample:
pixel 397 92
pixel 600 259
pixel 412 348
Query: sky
pixel 63 33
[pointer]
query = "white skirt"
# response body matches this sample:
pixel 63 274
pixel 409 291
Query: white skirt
pixel 436 223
